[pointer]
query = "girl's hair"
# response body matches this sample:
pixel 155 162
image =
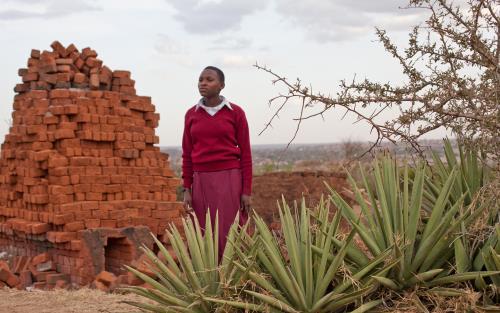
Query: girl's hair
pixel 220 73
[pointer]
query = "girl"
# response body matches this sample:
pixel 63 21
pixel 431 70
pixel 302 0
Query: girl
pixel 216 156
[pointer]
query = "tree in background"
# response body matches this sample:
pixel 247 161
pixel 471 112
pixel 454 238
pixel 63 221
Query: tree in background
pixel 452 72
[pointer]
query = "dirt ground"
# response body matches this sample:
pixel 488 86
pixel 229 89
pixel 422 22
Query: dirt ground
pixel 63 301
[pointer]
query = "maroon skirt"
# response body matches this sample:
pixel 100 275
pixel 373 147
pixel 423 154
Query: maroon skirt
pixel 219 191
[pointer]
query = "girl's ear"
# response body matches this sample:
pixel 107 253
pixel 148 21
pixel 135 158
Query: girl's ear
pixel 222 86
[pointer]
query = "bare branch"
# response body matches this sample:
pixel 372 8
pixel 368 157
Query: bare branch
pixel 452 81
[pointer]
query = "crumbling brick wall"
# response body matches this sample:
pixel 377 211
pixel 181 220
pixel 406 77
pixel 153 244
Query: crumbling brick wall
pixel 293 187
pixel 79 167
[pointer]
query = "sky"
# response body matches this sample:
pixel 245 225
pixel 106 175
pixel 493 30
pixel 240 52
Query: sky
pixel 166 44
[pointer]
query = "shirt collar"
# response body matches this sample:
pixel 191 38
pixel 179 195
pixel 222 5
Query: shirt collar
pixel 224 102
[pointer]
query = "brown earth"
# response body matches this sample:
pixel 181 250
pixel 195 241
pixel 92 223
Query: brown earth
pixel 63 301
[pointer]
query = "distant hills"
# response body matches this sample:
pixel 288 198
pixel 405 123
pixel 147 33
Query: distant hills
pixel 278 156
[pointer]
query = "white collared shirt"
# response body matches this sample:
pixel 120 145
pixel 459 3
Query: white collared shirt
pixel 213 110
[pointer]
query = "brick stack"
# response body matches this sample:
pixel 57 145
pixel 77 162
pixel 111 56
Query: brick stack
pixel 80 156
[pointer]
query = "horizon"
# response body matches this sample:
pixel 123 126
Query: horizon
pixel 327 143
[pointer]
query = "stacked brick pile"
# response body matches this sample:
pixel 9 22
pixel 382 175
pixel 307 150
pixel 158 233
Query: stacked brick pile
pixel 38 271
pixel 79 166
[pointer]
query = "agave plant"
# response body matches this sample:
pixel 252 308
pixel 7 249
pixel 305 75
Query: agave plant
pixel 303 271
pixel 473 177
pixel 473 174
pixel 490 255
pixel 183 286
pixel 422 241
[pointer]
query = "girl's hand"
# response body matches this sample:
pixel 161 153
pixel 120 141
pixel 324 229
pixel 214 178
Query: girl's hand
pixel 246 203
pixel 188 201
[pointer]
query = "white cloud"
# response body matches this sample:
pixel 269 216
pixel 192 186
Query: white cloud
pixel 231 43
pixel 204 17
pixel 322 20
pixel 379 6
pixel 175 50
pixel 168 45
pixel 27 9
pixel 236 60
pixel 334 20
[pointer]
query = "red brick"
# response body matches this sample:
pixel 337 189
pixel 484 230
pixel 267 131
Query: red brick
pixel 41 276
pixel 59 48
pixel 29 77
pixel 35 53
pixel 60 219
pixel 70 143
pixel 87 52
pixel 20 264
pixel 63 68
pixel 50 119
pixel 4 265
pixel 121 74
pixel 64 134
pixel 64 61
pixel 76 245
pixel 93 196
pixel 118 179
pixel 58 171
pixel 58 161
pixel 25 279
pixel 42 155
pixel 9 278
pixel 22 87
pixel 40 228
pixel 71 110
pixel 100 214
pixel 56 109
pixel 59 93
pixel 74 226
pixel 48 78
pixel 40 285
pixel 108 223
pixel 40 258
pixel 94 81
pixel 61 284
pixel 47 63
pixel 79 78
pixel 65 236
pixel 71 49
pixel 53 278
pixel 79 63
pixel 93 62
pixel 39 199
pixel 75 179
pixel 101 286
pixel 24 71
pixel 92 223
pixel 165 214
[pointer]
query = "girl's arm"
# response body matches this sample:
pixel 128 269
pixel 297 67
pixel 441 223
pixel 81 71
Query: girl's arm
pixel 187 148
pixel 243 138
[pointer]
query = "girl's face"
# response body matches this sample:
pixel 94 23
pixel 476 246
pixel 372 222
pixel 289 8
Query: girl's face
pixel 209 84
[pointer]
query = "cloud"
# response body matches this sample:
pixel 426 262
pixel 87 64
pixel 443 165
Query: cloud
pixel 204 17
pixel 27 9
pixel 231 43
pixel 235 60
pixel 170 46
pixel 336 20
pixel 176 51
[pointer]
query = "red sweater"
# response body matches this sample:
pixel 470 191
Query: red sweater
pixel 215 143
